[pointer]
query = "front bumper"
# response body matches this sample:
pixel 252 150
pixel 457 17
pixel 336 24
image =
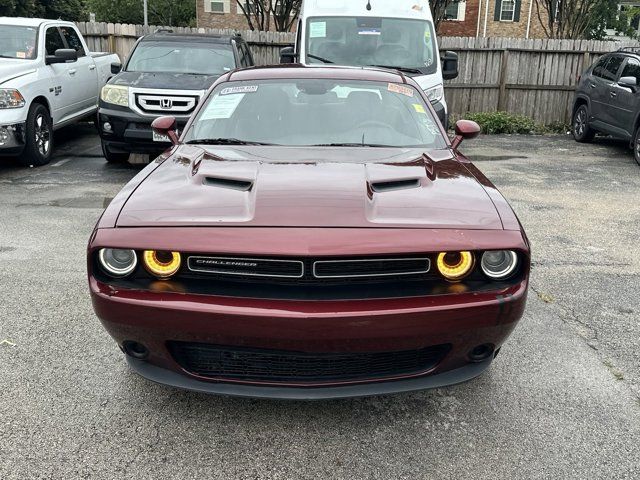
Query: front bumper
pixel 12 139
pixel 130 131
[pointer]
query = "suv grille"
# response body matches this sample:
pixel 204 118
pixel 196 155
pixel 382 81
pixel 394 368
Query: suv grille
pixel 158 103
pixel 245 364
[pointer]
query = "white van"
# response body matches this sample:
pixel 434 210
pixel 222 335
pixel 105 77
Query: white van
pixel 396 34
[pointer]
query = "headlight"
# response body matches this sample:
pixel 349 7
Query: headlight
pixel 115 94
pixel 435 94
pixel 11 98
pixel 499 264
pixel 455 265
pixel 162 264
pixel 118 262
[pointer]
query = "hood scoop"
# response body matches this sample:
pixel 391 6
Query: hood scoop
pixel 391 185
pixel 229 183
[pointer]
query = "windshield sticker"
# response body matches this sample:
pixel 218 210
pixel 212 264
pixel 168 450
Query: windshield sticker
pixel 419 108
pixel 237 90
pixel 369 31
pixel 395 88
pixel 222 107
pixel 21 55
pixel 318 30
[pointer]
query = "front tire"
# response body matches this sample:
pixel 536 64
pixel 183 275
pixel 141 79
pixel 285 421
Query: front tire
pixel 39 137
pixel 112 157
pixel 636 146
pixel 582 132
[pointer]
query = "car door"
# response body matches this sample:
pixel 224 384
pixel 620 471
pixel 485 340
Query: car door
pixel 59 94
pixel 83 75
pixel 623 102
pixel 607 90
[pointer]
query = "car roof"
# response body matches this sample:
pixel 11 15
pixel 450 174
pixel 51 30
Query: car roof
pixel 189 37
pixel 30 22
pixel 311 72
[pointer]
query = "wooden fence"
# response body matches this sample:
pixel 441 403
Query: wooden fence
pixel 536 78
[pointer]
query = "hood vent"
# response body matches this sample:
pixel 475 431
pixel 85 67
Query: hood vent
pixel 231 184
pixel 380 187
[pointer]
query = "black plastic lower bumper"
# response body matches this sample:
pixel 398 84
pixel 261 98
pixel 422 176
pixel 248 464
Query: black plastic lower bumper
pixel 168 377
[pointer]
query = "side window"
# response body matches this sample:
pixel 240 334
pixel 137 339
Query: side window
pixel 632 69
pixel 73 40
pixel 611 70
pixel 598 69
pixel 53 40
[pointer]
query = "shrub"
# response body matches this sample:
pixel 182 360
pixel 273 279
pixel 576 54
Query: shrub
pixel 503 122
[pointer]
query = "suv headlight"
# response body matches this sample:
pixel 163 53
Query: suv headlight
pixel 11 98
pixel 115 94
pixel 435 94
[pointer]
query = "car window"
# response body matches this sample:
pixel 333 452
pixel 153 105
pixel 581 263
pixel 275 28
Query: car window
pixel 632 69
pixel 53 40
pixel 73 40
pixel 612 67
pixel 318 112
pixel 182 57
pixel 598 69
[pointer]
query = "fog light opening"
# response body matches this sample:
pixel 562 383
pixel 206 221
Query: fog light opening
pixel 481 352
pixel 107 127
pixel 135 349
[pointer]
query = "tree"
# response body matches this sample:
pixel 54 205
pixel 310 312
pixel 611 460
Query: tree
pixel 260 14
pixel 177 13
pixel 19 8
pixel 579 19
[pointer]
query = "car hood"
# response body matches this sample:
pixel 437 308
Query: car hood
pixel 311 187
pixel 10 69
pixel 165 81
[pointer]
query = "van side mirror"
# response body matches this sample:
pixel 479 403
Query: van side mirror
pixel 166 126
pixel 62 55
pixel 288 55
pixel 450 65
pixel 465 130
pixel 116 67
pixel 629 82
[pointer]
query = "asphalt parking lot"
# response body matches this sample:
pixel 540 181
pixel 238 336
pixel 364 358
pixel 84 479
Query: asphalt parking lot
pixel 562 400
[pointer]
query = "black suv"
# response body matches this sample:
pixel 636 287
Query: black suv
pixel 608 99
pixel 165 74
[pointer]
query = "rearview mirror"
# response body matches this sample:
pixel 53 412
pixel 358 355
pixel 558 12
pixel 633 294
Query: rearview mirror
pixel 166 126
pixel 450 65
pixel 630 82
pixel 465 130
pixel 62 55
pixel 116 67
pixel 288 55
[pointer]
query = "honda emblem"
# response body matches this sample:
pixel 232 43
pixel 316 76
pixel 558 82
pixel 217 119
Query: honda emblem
pixel 166 103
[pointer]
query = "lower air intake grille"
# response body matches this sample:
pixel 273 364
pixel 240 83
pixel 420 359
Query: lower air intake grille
pixel 246 364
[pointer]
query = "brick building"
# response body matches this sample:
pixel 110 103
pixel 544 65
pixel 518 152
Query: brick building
pixel 493 18
pixel 220 14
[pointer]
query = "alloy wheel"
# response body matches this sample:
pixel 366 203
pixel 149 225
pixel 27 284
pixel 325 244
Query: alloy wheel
pixel 42 135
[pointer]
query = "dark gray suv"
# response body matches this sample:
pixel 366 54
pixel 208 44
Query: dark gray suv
pixel 608 99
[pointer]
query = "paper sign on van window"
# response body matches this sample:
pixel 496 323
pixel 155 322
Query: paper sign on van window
pixel 222 107
pixel 369 31
pixel 318 30
pixel 395 88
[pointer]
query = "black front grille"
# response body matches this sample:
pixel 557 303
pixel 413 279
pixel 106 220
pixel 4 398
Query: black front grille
pixel 370 267
pixel 244 364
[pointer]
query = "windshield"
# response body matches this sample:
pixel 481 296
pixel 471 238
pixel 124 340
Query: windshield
pixel 18 42
pixel 316 113
pixel 176 57
pixel 361 41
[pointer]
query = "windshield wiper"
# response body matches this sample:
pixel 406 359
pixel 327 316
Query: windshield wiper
pixel 375 145
pixel 400 69
pixel 316 57
pixel 223 141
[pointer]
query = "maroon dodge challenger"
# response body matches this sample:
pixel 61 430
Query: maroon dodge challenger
pixel 313 233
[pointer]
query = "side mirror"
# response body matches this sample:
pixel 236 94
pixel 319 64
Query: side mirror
pixel 288 55
pixel 629 82
pixel 116 67
pixel 62 55
pixel 465 130
pixel 166 126
pixel 450 65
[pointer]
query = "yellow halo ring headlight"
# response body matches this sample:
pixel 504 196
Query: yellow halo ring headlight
pixel 162 264
pixel 455 265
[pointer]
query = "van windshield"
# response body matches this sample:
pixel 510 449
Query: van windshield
pixel 316 112
pixel 366 41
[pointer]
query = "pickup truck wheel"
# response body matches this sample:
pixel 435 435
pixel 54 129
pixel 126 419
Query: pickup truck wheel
pixel 582 132
pixel 113 157
pixel 39 137
pixel 636 146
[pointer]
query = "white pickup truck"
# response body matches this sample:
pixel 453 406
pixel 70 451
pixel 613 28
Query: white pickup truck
pixel 48 79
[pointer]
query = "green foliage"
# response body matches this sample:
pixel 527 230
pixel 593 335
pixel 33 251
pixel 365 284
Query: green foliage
pixel 20 8
pixel 504 122
pixel 177 13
